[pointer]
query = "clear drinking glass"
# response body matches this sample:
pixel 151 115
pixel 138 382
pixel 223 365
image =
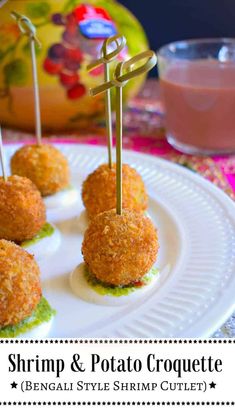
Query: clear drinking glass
pixel 197 80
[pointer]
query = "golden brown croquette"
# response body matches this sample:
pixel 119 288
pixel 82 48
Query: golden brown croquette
pixel 120 249
pixel 99 190
pixel 22 210
pixel 45 165
pixel 20 288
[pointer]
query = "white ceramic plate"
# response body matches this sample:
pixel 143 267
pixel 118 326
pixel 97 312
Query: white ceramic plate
pixel 196 224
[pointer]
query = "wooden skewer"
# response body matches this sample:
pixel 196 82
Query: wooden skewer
pixel 105 60
pixel 36 93
pixel 27 28
pixel 123 73
pixel 108 116
pixel 2 157
pixel 119 128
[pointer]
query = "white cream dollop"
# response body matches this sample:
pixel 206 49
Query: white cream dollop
pixel 84 290
pixel 64 198
pixel 38 332
pixel 46 246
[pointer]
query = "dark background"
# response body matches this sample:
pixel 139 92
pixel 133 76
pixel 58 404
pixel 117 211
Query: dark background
pixel 170 20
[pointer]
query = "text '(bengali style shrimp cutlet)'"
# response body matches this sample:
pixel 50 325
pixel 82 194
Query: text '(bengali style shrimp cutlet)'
pixel 20 287
pixel 22 210
pixel 120 249
pixel 44 165
pixel 99 190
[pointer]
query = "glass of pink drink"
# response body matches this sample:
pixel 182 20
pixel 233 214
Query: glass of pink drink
pixel 197 80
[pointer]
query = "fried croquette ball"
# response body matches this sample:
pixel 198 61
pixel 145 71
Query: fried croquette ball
pixel 120 249
pixel 45 165
pixel 20 288
pixel 22 210
pixel 99 190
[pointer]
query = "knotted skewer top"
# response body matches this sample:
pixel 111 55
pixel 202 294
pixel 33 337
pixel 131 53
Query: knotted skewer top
pixel 106 56
pixel 26 26
pixel 120 79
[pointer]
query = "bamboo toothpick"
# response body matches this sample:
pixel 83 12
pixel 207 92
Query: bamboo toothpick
pixel 119 128
pixel 36 93
pixel 123 73
pixel 108 116
pixel 105 60
pixel 27 28
pixel 2 157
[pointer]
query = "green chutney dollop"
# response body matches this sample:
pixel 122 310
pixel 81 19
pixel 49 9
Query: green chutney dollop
pixel 46 231
pixel 42 314
pixel 117 291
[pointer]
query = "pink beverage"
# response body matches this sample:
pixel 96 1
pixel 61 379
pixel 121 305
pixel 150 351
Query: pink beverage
pixel 199 97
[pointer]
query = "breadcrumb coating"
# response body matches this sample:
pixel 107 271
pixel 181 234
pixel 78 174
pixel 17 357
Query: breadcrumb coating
pixel 20 288
pixel 22 210
pixel 99 190
pixel 120 249
pixel 45 165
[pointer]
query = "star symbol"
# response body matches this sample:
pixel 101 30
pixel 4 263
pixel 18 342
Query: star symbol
pixel 14 385
pixel 212 384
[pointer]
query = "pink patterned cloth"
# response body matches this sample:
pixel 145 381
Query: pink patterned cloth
pixel 219 170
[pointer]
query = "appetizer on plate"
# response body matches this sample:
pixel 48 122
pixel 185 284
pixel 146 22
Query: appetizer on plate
pixel 99 190
pixel 49 170
pixel 23 216
pixel 22 306
pixel 120 249
pixel 42 163
pixel 22 211
pixel 120 245
pixel 119 253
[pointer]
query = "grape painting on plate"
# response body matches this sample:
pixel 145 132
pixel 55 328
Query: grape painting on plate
pixel 71 33
pixel 64 59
